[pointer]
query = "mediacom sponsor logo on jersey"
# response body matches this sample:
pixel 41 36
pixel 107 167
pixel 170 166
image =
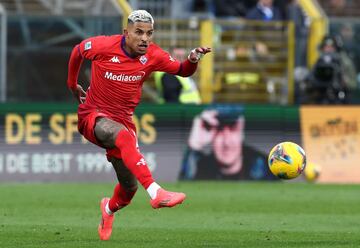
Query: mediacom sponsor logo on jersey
pixel 125 78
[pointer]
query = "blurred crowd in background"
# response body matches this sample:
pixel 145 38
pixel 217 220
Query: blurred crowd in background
pixel 40 35
pixel 335 76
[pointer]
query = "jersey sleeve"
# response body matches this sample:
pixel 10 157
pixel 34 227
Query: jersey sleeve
pixel 165 62
pixel 92 48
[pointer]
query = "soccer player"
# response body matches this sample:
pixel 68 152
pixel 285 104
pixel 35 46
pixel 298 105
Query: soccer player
pixel 120 65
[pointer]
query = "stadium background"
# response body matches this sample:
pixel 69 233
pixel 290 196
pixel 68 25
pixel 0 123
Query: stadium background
pixel 39 142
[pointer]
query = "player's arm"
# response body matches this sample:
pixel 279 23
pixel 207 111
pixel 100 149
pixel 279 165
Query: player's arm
pixel 167 63
pixel 74 66
pixel 189 66
pixel 90 49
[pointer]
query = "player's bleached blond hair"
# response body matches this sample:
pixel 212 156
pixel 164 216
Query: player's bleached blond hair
pixel 140 16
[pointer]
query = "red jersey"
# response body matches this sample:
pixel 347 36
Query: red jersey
pixel 116 78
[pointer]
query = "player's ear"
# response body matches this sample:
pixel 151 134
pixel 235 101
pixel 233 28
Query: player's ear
pixel 126 32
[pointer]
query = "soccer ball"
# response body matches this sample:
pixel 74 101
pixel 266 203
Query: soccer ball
pixel 312 172
pixel 287 160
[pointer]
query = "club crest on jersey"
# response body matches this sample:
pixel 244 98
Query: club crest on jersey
pixel 87 45
pixel 171 58
pixel 143 60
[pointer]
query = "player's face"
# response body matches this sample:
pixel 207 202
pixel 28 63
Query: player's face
pixel 138 37
pixel 228 144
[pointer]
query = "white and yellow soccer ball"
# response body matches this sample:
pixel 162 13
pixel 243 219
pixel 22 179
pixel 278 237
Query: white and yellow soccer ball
pixel 287 160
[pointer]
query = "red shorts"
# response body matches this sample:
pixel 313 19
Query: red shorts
pixel 87 115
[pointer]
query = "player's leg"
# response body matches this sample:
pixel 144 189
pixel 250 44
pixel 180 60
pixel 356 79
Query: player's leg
pixel 126 188
pixel 123 145
pixel 123 193
pixel 122 142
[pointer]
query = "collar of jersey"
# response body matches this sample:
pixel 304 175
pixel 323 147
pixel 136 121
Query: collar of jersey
pixel 123 48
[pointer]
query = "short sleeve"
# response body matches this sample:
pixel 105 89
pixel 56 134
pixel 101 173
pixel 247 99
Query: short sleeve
pixel 92 47
pixel 165 62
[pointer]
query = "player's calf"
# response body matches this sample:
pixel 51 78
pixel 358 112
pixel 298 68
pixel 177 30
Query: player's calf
pixel 121 198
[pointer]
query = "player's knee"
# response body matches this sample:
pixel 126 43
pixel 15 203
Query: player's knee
pixel 106 131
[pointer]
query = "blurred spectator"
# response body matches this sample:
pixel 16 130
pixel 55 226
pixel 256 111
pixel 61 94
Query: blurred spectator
pixel 174 88
pixel 217 149
pixel 347 34
pixel 333 74
pixel 351 54
pixel 350 45
pixel 301 22
pixel 264 10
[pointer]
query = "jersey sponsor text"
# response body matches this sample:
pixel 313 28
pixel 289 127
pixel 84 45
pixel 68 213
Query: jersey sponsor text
pixel 124 77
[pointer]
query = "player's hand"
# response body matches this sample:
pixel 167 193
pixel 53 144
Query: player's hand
pixel 203 130
pixel 196 54
pixel 79 93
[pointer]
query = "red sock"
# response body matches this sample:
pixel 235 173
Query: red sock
pixel 133 159
pixel 120 198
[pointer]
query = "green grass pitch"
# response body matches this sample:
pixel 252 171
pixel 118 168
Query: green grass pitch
pixel 215 214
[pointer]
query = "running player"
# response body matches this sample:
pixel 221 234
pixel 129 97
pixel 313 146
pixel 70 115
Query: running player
pixel 120 65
